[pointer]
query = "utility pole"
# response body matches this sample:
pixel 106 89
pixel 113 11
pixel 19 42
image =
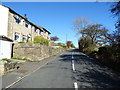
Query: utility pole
pixel 66 39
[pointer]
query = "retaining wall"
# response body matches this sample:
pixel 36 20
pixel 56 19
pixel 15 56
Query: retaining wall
pixel 35 52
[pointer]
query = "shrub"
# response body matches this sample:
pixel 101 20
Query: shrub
pixel 110 55
pixel 21 42
pixel 41 40
pixel 63 46
pixel 84 42
pixel 90 49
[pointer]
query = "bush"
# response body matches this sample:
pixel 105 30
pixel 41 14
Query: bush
pixel 110 55
pixel 110 52
pixel 41 40
pixel 84 42
pixel 21 42
pixel 62 46
pixel 90 49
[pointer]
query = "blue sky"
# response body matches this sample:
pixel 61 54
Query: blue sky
pixel 58 17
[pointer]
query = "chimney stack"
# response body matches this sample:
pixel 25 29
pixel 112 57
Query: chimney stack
pixel 25 16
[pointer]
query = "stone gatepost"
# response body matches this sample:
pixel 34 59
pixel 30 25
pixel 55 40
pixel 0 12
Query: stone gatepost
pixel 2 69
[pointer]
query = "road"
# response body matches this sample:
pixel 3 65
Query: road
pixel 71 69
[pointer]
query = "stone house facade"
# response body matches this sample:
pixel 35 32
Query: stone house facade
pixel 19 28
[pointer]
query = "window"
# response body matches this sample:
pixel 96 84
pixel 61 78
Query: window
pixel 16 37
pixel 24 39
pixel 26 25
pixel 29 26
pixel 40 31
pixel 35 29
pixel 44 31
pixel 18 20
pixel 22 21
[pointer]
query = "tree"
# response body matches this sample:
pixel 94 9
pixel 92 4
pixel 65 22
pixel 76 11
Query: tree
pixel 116 8
pixel 116 11
pixel 113 38
pixel 95 33
pixel 54 38
pixel 69 44
pixel 84 42
pixel 116 34
pixel 80 23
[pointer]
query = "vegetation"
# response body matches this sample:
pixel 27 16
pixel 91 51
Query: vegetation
pixel 80 23
pixel 19 58
pixel 116 11
pixel 54 38
pixel 21 42
pixel 96 42
pixel 61 45
pixel 7 60
pixel 84 42
pixel 90 49
pixel 70 44
pixel 41 40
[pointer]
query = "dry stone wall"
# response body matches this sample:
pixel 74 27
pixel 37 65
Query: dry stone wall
pixel 7 67
pixel 35 52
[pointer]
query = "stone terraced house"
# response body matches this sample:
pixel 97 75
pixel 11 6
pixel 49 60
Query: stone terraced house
pixel 19 28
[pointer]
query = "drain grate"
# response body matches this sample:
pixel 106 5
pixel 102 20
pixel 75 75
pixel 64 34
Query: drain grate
pixel 22 71
pixel 19 72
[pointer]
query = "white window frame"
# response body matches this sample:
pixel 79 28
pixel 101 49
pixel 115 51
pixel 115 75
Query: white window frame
pixel 24 38
pixel 15 36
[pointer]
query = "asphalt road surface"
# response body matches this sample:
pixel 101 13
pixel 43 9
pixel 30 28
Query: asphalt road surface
pixel 72 69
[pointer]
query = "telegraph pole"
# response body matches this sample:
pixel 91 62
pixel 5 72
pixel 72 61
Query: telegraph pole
pixel 66 39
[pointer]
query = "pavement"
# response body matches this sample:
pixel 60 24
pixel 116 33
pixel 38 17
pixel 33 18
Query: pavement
pixel 69 70
pixel 25 69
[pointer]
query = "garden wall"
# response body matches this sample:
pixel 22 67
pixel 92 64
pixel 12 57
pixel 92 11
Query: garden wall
pixel 35 52
pixel 7 67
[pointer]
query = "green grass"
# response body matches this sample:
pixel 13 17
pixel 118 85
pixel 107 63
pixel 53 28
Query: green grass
pixel 16 58
pixel 5 59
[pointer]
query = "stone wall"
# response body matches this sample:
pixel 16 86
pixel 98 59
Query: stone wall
pixel 35 52
pixel 7 67
pixel 1 68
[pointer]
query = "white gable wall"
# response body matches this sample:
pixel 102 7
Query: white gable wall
pixel 5 49
pixel 3 20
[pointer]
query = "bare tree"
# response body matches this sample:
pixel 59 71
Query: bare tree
pixel 80 23
pixel 95 33
pixel 116 11
pixel 54 38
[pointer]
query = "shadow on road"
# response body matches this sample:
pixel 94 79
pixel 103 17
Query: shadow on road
pixel 90 73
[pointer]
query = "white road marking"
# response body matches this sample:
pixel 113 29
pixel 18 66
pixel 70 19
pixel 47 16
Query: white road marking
pixel 19 79
pixel 73 66
pixel 72 56
pixel 75 85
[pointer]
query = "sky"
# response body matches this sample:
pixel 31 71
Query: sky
pixel 58 17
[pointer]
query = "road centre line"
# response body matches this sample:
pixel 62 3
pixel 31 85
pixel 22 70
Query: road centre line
pixel 75 85
pixel 73 66
pixel 72 56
